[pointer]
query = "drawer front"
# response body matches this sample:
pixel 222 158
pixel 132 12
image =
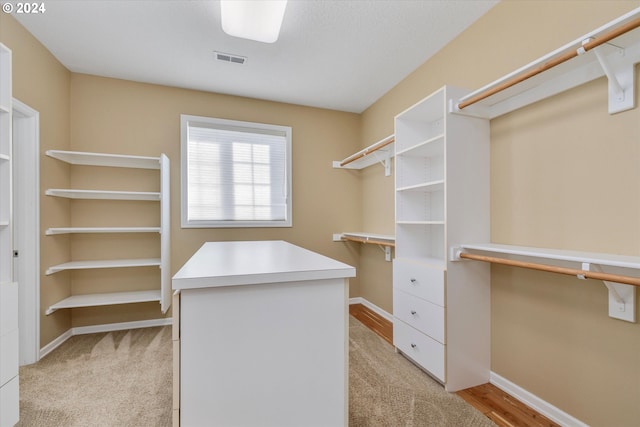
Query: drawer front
pixel 420 279
pixel 8 307
pixel 9 403
pixel 426 352
pixel 422 315
pixel 8 356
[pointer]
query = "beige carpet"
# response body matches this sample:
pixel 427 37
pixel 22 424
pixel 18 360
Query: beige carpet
pixel 122 379
pixel 386 390
pixel 110 379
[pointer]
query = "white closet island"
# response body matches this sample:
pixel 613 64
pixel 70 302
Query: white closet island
pixel 261 337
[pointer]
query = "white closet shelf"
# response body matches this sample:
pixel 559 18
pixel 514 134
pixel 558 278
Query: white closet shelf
pixel 621 286
pixel 112 263
pixel 4 157
pixel 409 222
pixel 4 223
pixel 426 148
pixel 384 241
pixel 381 239
pixel 426 186
pixel 76 230
pixel 94 300
pixel 4 109
pixel 571 65
pixel 100 159
pixel 611 260
pixel 104 195
pixel 380 152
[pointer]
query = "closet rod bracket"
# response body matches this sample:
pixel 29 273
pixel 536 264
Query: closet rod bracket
pixel 620 74
pixel 622 298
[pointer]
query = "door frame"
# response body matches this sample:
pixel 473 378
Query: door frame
pixel 26 232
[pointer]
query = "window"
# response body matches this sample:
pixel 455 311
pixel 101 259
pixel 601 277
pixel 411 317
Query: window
pixel 235 174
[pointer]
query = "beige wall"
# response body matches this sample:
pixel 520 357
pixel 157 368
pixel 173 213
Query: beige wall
pixel 109 115
pixel 87 113
pixel 564 174
pixel 41 82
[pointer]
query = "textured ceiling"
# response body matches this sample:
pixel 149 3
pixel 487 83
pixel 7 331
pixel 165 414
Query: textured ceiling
pixel 340 55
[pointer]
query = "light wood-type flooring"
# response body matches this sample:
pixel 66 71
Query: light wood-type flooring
pixel 500 407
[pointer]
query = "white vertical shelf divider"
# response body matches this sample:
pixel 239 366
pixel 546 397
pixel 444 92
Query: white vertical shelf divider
pixel 9 334
pixel 165 240
pixel 163 293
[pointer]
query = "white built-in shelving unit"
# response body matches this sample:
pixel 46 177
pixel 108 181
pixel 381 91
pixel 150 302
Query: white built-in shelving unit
pixel 441 309
pixel 163 293
pixel 9 336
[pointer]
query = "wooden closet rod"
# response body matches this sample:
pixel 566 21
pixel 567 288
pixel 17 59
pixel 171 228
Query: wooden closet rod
pixel 553 269
pixel 369 240
pixel 553 62
pixel 368 151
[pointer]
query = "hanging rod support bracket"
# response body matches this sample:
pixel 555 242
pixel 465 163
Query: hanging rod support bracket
pixel 384 160
pixel 620 74
pixel 622 298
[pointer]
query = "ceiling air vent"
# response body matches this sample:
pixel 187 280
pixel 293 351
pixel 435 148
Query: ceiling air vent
pixel 227 57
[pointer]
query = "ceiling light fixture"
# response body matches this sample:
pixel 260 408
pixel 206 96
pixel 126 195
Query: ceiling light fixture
pixel 253 20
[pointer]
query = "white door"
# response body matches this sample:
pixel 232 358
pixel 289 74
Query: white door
pixel 26 227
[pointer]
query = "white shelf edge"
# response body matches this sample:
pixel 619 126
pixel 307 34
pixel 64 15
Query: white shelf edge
pixel 113 263
pixel 4 109
pixel 365 235
pixel 113 298
pixel 611 260
pixel 101 159
pixel 77 230
pixel 4 223
pixel 426 186
pixel 439 222
pixel 5 157
pixel 104 195
pixel 421 144
pixel 384 241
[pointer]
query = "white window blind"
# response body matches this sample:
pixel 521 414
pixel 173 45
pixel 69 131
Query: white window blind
pixel 235 174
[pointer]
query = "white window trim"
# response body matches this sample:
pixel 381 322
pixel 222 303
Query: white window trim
pixel 185 223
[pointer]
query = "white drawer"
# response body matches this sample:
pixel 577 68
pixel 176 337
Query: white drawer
pixel 9 403
pixel 426 352
pixel 8 307
pixel 420 279
pixel 422 315
pixel 8 356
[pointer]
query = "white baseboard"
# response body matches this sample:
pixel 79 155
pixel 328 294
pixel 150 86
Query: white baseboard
pixel 371 306
pixel 55 343
pixel 109 327
pixel 530 399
